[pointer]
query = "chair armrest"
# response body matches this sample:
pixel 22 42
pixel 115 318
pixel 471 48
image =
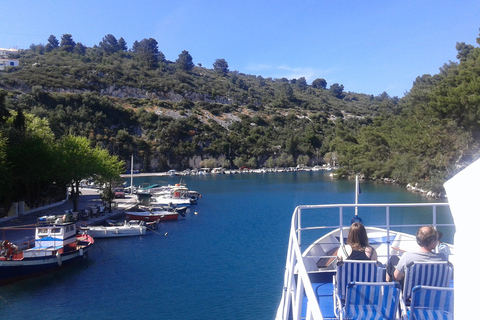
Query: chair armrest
pixel 403 307
pixel 337 302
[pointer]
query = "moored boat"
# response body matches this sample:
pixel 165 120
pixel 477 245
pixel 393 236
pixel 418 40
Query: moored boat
pixel 173 195
pixel 157 213
pixel 174 201
pixel 127 229
pixel 56 245
pixel 153 215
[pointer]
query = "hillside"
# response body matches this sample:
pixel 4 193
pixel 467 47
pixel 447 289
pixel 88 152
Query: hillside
pixel 175 115
pixel 124 75
pixel 123 101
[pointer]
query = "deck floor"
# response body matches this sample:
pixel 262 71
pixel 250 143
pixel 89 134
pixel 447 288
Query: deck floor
pixel 322 284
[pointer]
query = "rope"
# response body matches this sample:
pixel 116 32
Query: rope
pixel 152 230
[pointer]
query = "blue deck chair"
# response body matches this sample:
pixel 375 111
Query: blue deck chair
pixel 434 274
pixel 354 271
pixel 372 300
pixel 431 303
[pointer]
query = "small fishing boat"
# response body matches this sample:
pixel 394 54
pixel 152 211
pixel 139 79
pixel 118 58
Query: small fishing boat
pixel 318 285
pixel 152 215
pixel 127 229
pixel 155 213
pixel 169 208
pixel 56 245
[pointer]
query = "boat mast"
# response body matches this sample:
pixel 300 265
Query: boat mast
pixel 357 192
pixel 131 176
pixel 356 218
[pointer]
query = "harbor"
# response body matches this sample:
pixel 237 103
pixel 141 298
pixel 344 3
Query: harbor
pixel 226 261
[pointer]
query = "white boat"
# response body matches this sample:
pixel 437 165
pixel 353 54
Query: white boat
pixel 128 229
pixel 204 171
pixel 318 231
pixel 176 196
pixel 172 201
pixel 169 195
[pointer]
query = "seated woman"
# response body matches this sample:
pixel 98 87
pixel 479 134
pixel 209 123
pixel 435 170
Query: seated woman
pixel 357 247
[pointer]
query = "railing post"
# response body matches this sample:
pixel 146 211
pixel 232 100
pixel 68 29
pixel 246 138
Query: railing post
pixel 341 225
pixel 299 227
pixel 387 221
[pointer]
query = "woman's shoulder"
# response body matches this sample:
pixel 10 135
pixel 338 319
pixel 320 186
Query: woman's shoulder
pixel 369 251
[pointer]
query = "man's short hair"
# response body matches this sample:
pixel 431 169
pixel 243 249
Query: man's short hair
pixel 426 236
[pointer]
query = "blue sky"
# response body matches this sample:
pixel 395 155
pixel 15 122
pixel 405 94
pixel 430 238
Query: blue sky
pixel 368 46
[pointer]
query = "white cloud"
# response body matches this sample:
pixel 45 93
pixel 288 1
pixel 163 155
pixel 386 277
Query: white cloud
pixel 285 71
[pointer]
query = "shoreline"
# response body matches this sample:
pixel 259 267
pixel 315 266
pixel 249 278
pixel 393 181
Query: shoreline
pixel 409 186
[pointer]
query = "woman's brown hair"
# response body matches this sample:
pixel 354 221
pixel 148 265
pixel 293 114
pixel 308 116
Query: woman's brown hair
pixel 357 237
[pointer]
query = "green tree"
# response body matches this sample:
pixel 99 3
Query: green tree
pixel 107 170
pixel 291 145
pixel 122 44
pixel 30 160
pixel 303 160
pixel 81 161
pixel 5 172
pixel 67 44
pixel 319 83
pixel 209 163
pixel 301 83
pixel 52 43
pixel 239 162
pixel 148 53
pixel 185 61
pixel 109 44
pixel 463 50
pixel 337 90
pixel 288 91
pixel 270 163
pixel 80 49
pixel 4 113
pixel 220 66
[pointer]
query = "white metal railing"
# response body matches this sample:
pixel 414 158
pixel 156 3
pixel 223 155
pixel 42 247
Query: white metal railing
pixel 295 289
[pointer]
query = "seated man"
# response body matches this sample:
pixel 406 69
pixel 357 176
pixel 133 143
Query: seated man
pixel 427 239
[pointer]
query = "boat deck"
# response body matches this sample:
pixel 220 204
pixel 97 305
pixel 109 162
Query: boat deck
pixel 308 291
pixel 322 285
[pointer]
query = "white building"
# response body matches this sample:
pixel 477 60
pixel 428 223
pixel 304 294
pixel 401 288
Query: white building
pixel 6 52
pixel 5 61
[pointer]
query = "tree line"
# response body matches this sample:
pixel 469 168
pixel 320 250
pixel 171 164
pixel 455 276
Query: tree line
pixel 36 168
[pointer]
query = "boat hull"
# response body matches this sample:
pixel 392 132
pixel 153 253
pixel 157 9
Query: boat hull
pixel 154 216
pixel 173 202
pixel 114 232
pixel 18 269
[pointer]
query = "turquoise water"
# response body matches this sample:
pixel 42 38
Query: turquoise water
pixel 226 262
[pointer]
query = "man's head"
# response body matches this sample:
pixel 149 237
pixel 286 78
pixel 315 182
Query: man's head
pixel 427 237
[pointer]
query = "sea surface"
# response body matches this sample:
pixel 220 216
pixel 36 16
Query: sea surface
pixel 224 260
